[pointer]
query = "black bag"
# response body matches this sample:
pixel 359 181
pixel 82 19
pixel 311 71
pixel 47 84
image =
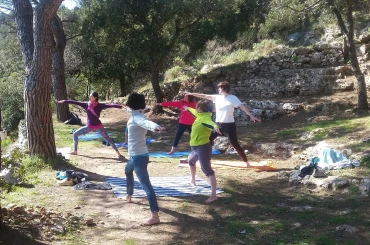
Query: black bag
pixel 74 120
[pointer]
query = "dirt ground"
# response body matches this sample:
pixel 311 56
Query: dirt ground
pixel 249 195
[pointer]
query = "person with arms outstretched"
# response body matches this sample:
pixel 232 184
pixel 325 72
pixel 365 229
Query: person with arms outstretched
pixel 93 109
pixel 185 119
pixel 201 148
pixel 138 152
pixel 225 104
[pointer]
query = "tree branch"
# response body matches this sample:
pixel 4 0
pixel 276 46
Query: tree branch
pixel 72 37
pixel 308 8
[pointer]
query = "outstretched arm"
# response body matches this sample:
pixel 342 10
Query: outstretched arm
pixel 74 102
pixel 202 96
pixel 245 109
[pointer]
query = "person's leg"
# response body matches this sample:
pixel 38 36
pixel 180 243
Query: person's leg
pixel 230 129
pixel 213 183
pixel 78 132
pixel 192 160
pixel 129 171
pixel 105 135
pixel 141 169
pixel 204 153
pixel 179 132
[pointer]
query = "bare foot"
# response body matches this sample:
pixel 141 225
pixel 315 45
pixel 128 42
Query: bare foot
pixel 211 199
pixel 151 221
pixel 73 153
pixel 248 164
pixel 128 199
pixel 173 150
pixel 121 157
pixel 192 182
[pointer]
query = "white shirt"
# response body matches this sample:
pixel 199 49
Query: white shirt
pixel 225 107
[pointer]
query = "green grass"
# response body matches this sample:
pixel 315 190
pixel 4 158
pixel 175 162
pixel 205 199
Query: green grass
pixel 6 142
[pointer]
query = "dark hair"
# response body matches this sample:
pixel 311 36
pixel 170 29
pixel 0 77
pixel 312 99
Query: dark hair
pixel 225 86
pixel 136 101
pixel 191 98
pixel 203 105
pixel 95 94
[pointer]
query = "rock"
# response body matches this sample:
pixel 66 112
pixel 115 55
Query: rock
pixel 302 208
pixel 89 222
pixel 340 183
pixel 294 177
pixel 346 228
pixel 364 188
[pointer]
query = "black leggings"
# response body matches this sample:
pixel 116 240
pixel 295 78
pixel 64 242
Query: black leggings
pixel 230 130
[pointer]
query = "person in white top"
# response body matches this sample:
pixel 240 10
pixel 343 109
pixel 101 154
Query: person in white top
pixel 225 104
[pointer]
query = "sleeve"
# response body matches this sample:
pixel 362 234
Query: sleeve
pixel 104 106
pixel 177 103
pixel 210 124
pixel 143 122
pixel 74 102
pixel 214 98
pixel 235 101
pixel 193 112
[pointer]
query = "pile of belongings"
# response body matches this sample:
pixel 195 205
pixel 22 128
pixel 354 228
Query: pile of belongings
pixel 70 177
pixel 326 159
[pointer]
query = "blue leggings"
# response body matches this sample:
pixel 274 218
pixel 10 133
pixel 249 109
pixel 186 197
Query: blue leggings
pixel 85 130
pixel 181 128
pixel 140 165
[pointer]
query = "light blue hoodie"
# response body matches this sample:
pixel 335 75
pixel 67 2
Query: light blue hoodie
pixel 137 126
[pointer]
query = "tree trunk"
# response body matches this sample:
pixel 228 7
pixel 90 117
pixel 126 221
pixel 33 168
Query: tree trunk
pixel 345 50
pixel 362 103
pixel 37 85
pixel 58 77
pixel 122 85
pixel 1 212
pixel 157 89
pixel 361 85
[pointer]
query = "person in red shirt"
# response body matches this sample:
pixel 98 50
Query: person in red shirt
pixel 185 120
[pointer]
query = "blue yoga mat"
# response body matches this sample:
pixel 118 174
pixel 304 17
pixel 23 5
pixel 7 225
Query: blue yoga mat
pixel 177 154
pixel 91 136
pixel 163 186
pixel 122 144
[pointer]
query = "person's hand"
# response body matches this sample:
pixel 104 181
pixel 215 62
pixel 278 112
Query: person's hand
pixel 59 101
pixel 159 128
pixel 188 93
pixel 218 131
pixel 160 104
pixel 254 119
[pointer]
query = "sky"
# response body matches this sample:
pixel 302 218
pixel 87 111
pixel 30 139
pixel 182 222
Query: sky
pixel 70 4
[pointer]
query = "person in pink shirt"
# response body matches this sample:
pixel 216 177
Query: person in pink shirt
pixel 185 120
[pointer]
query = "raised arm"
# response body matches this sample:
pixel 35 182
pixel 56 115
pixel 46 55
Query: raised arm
pixel 105 106
pixel 177 104
pixel 74 102
pixel 245 109
pixel 147 124
pixel 202 96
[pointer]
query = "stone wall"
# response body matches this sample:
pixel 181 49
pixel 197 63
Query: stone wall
pixel 285 73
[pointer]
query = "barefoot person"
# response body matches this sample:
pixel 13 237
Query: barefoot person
pixel 185 119
pixel 201 148
pixel 93 109
pixel 225 104
pixel 137 126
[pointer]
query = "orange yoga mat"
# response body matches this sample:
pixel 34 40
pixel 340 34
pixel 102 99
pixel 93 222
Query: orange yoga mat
pixel 220 164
